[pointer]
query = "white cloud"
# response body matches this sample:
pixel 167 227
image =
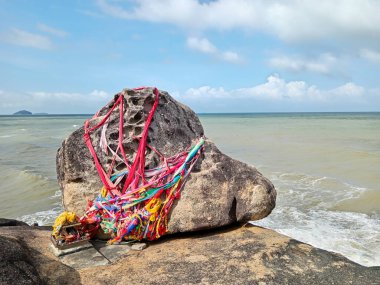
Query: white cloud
pixel 231 56
pixel 90 13
pixel 99 94
pixel 51 30
pixel 277 89
pixel 370 55
pixel 207 91
pixel 349 89
pixel 291 20
pixel 203 45
pixel 94 96
pixel 273 94
pixel 53 102
pixel 23 38
pixel 323 64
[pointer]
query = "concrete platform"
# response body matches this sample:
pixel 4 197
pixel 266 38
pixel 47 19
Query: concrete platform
pixel 95 253
pixel 85 258
pixel 115 252
pixel 60 252
pixel 112 252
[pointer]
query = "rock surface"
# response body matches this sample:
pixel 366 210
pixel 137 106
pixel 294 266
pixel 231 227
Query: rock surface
pixel 25 258
pixel 247 255
pixel 219 191
pixel 16 263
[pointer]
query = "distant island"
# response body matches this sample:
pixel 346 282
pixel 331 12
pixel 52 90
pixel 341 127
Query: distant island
pixel 27 113
pixel 23 112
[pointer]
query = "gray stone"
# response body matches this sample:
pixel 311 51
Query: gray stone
pixel 60 252
pixel 89 257
pixel 218 192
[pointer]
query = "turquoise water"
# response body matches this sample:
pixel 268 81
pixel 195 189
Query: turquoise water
pixel 324 165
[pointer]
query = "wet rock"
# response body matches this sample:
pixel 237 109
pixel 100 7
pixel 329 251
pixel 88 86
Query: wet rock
pixel 218 192
pixel 11 223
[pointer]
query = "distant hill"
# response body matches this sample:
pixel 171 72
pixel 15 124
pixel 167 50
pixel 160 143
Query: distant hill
pixel 23 112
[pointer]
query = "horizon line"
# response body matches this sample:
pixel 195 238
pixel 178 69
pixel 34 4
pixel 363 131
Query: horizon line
pixel 198 113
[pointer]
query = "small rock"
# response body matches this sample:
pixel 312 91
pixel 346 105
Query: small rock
pixel 138 246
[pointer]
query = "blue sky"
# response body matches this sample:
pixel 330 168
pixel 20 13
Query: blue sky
pixel 215 56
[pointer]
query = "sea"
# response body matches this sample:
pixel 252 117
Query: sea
pixel 325 167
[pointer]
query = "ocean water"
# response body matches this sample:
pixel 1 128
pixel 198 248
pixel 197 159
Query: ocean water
pixel 28 185
pixel 325 167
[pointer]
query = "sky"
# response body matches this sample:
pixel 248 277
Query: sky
pixel 72 56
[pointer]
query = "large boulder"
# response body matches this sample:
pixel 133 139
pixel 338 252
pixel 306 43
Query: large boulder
pixel 219 191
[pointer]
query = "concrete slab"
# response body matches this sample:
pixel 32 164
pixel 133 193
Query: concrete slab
pixel 60 252
pixel 85 258
pixel 112 252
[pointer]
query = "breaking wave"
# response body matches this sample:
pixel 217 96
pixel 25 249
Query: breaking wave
pixel 323 212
